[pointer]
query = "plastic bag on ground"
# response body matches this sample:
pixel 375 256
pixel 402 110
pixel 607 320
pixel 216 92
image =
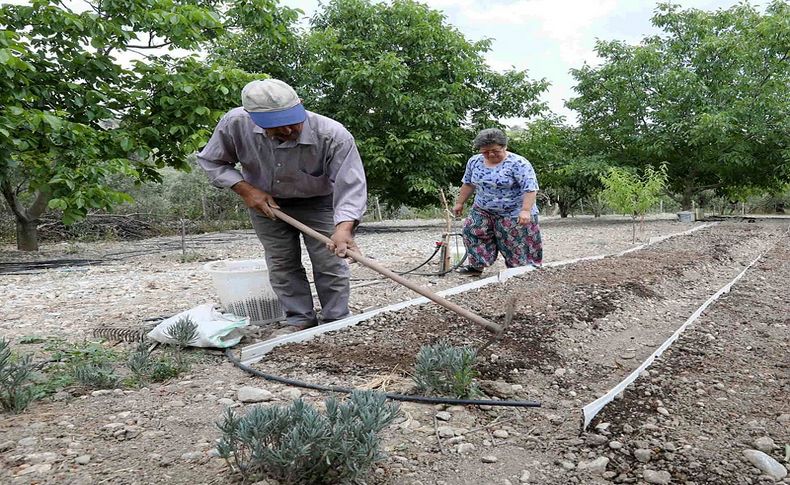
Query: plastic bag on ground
pixel 214 328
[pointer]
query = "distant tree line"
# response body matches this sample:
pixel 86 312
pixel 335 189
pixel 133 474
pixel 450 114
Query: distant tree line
pixel 707 98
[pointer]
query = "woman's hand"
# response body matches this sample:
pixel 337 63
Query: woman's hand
pixel 458 209
pixel 524 217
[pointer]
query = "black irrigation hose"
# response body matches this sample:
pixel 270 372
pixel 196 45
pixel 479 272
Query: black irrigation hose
pixel 438 247
pixel 440 273
pixel 394 397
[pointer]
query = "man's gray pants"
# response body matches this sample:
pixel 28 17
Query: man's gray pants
pixel 283 255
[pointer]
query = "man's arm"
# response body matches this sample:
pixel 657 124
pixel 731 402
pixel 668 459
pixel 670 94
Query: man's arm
pixel 350 194
pixel 218 158
pixel 255 198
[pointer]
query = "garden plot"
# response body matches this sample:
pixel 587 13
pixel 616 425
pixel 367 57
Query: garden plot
pixel 720 390
pixel 578 330
pixel 574 342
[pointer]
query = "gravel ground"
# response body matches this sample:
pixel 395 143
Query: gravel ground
pixel 134 281
pixel 609 314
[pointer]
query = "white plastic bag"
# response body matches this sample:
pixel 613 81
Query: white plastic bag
pixel 214 328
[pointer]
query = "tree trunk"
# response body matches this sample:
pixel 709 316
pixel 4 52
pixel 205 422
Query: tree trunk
pixel 26 218
pixel 687 199
pixel 26 235
pixel 564 208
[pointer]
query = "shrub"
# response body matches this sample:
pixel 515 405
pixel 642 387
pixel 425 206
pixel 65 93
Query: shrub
pixel 444 370
pixel 16 392
pixel 296 444
pixel 146 368
pixel 95 376
pixel 184 332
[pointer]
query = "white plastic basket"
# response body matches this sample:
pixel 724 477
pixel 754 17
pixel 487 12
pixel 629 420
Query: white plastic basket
pixel 244 289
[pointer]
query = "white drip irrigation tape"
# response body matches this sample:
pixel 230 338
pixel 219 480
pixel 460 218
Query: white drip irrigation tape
pixel 255 352
pixel 591 410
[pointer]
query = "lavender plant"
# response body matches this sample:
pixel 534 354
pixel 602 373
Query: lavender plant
pixel 296 444
pixel 444 370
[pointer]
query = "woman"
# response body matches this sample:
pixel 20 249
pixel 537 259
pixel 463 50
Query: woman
pixel 504 216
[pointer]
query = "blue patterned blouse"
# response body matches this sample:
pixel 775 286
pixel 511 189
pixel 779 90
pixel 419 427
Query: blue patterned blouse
pixel 500 190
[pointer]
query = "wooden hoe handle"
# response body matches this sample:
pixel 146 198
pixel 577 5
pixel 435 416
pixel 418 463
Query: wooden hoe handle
pixel 490 326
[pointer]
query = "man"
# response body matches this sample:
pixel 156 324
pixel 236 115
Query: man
pixel 307 165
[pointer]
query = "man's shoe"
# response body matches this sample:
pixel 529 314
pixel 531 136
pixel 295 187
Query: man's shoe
pixel 305 325
pixel 470 271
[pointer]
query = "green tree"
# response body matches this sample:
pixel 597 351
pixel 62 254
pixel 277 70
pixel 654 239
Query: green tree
pixel 709 96
pixel 72 115
pixel 567 171
pixel 410 87
pixel 628 193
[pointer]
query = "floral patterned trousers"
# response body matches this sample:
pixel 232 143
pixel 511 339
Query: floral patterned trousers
pixel 486 235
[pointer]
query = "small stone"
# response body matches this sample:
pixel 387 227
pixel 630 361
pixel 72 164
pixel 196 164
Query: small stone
pixel 594 467
pixel 525 476
pixel 497 388
pixel 567 465
pixel 227 402
pixel 101 392
pixel 176 403
pixel 445 431
pixel 643 455
pixel 443 416
pixel 465 448
pixel 489 459
pixel 764 444
pixel 39 468
pixel 615 445
pixel 783 418
pixel 560 372
pixel 602 426
pixel 500 433
pixel 662 411
pixel 628 354
pixel 254 394
pixel 657 477
pixel 192 456
pixel 7 445
pixel 292 394
pixel 555 419
pixel 82 459
pixel 45 457
pixel 627 428
pixel 766 464
pixel 595 439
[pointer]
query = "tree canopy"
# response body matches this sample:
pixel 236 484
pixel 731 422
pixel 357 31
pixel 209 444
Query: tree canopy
pixel 410 88
pixel 709 96
pixel 568 171
pixel 72 114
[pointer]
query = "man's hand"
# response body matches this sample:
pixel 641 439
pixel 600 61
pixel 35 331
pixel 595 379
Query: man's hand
pixel 343 239
pixel 256 199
